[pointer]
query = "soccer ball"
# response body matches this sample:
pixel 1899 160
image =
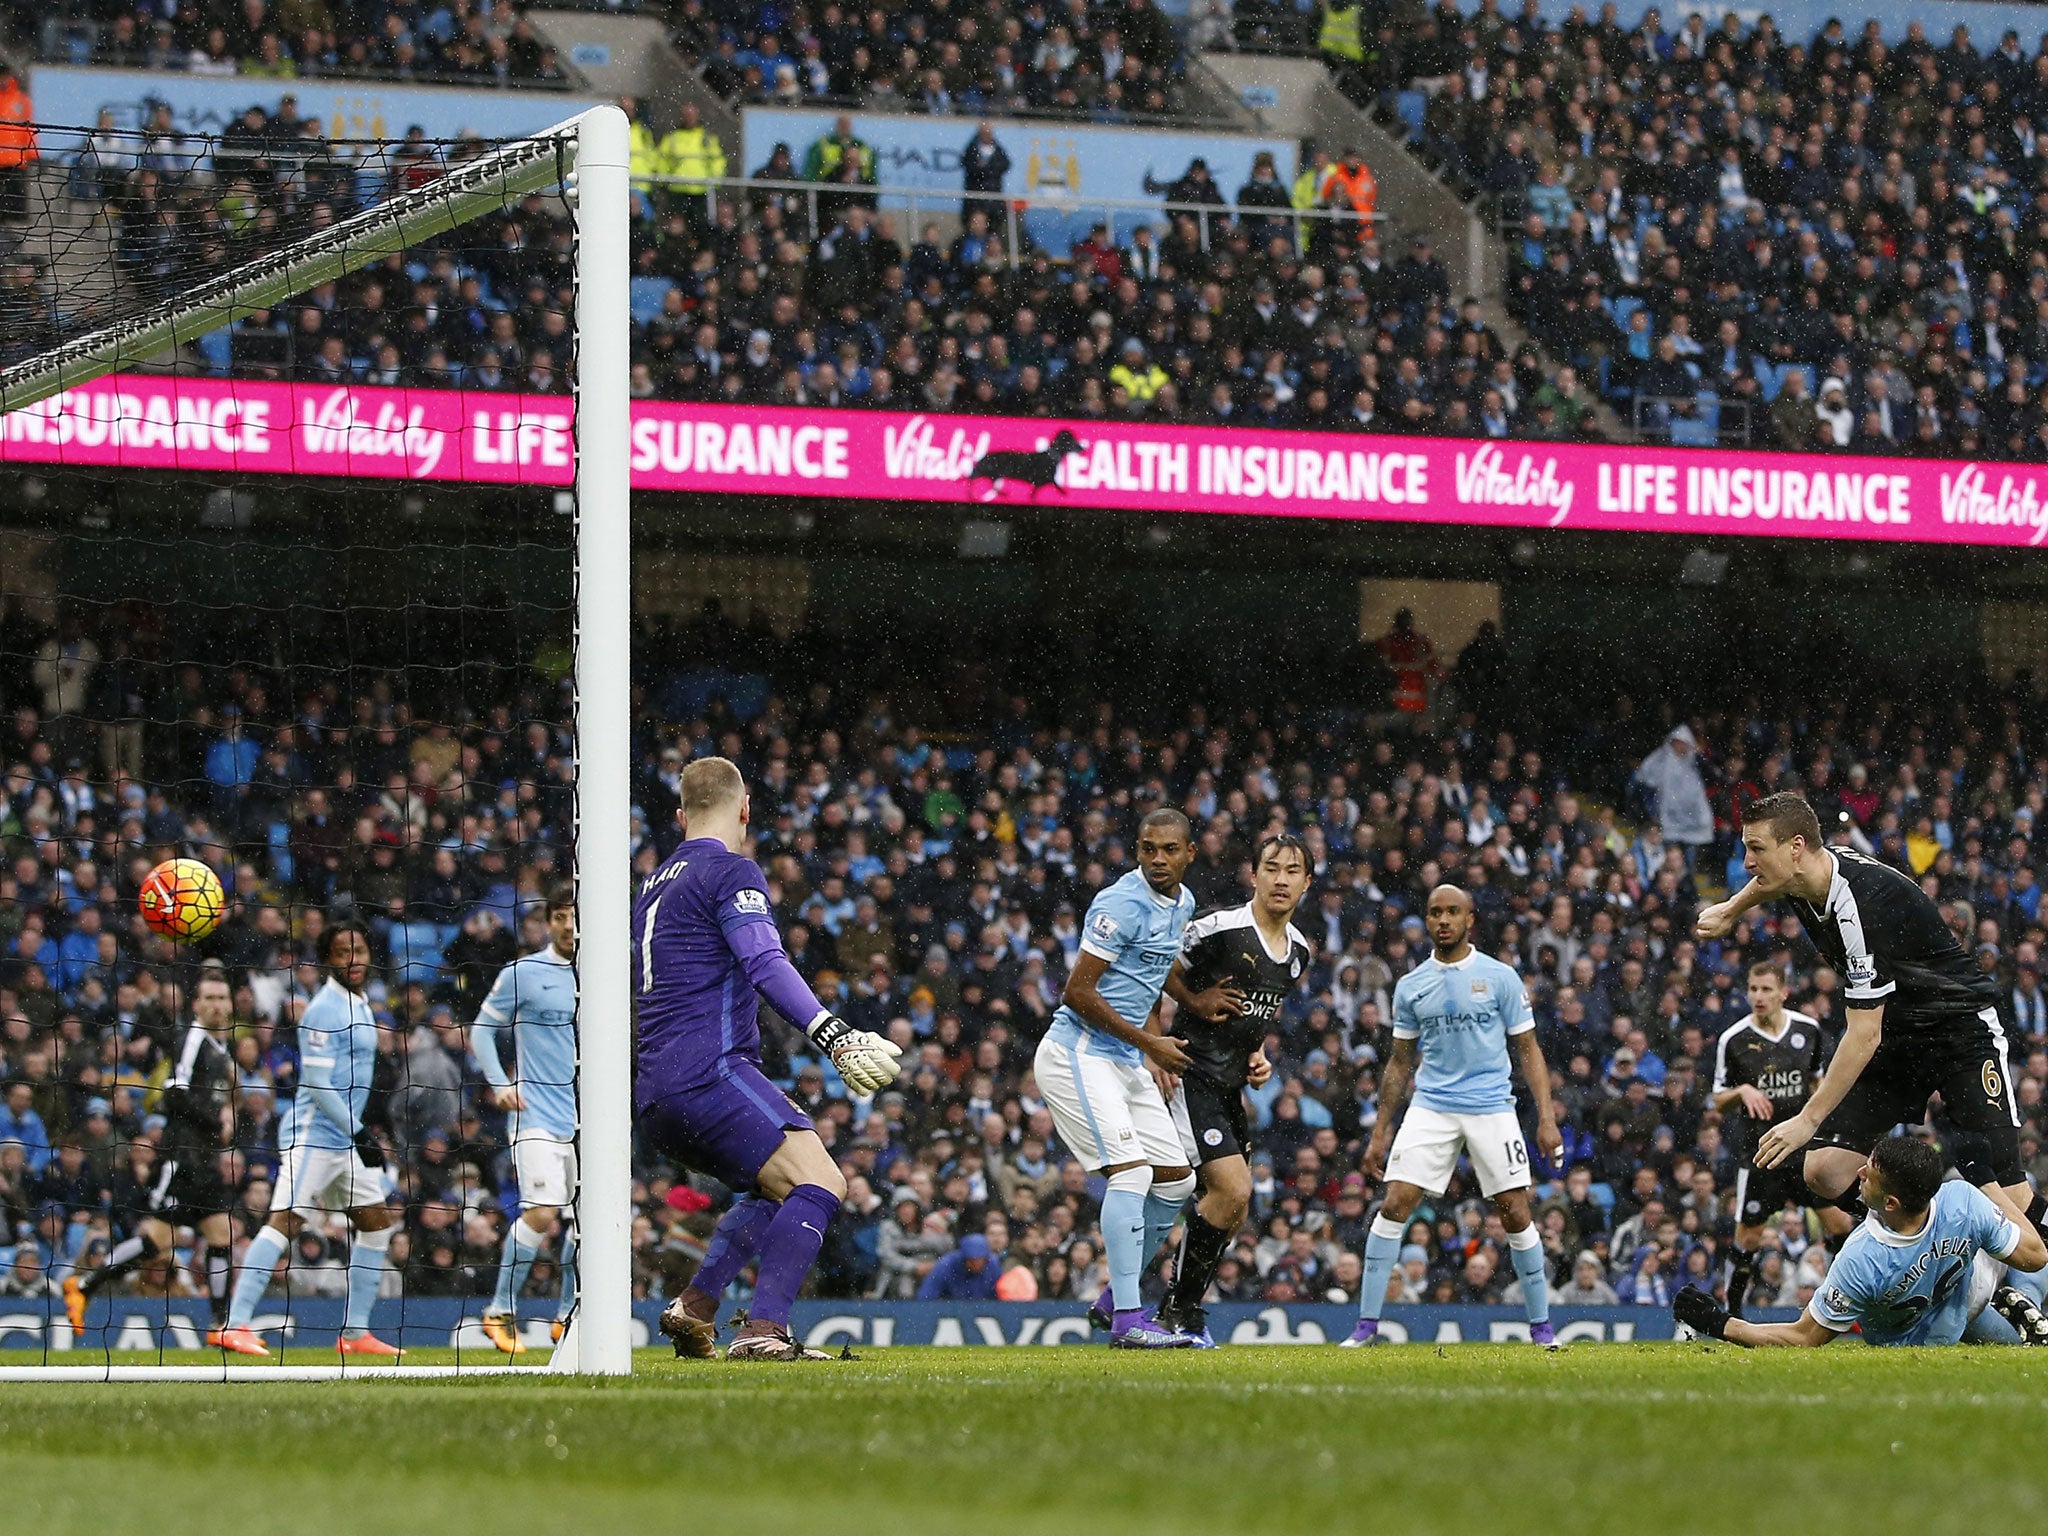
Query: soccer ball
pixel 182 900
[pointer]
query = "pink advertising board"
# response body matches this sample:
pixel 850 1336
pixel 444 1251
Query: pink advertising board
pixel 223 426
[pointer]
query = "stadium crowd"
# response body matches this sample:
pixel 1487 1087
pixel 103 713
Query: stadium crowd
pixel 1824 242
pixel 1107 63
pixel 930 871
pixel 456 42
pixel 1724 233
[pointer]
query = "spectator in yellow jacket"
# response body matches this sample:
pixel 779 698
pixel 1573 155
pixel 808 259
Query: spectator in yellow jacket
pixel 1137 375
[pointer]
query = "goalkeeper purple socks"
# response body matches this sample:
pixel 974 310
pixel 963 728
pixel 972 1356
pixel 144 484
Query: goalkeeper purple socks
pixel 734 1243
pixel 789 1250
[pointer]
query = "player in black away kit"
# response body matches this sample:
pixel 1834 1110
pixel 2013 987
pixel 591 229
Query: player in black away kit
pixel 1236 966
pixel 1921 1018
pixel 1766 1067
pixel 199 1123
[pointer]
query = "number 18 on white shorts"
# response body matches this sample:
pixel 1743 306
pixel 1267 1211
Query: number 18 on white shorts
pixel 1427 1145
pixel 1108 1112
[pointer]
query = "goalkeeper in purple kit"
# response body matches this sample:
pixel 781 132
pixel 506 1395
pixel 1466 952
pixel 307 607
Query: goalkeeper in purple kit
pixel 705 950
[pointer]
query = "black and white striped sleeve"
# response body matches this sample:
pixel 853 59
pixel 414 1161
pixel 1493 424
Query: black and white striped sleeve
pixel 1866 976
pixel 1721 1083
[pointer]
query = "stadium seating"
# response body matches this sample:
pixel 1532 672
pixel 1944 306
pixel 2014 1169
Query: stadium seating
pixel 456 42
pixel 981 855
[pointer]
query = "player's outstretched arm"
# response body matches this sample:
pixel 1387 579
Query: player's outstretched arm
pixel 1859 1043
pixel 1700 1312
pixel 1083 994
pixel 1719 920
pixel 866 1061
pixel 1805 1332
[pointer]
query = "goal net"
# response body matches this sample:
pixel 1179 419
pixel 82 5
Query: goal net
pixel 314 573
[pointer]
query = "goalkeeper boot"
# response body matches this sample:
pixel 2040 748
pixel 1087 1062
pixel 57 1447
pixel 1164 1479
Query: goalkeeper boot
pixel 695 1338
pixel 502 1329
pixel 1364 1335
pixel 770 1343
pixel 241 1341
pixel 2017 1308
pixel 367 1344
pixel 75 1301
pixel 557 1328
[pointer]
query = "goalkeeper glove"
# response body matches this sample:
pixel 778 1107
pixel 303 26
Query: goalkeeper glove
pixel 865 1060
pixel 1701 1313
pixel 367 1148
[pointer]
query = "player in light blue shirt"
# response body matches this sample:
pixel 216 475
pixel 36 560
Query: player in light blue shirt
pixel 1905 1276
pixel 329 1158
pixel 1096 1068
pixel 535 997
pixel 1454 1016
pixel 1136 932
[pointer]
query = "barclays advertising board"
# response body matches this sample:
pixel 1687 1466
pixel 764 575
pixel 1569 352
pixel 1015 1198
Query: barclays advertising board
pixel 347 109
pixel 131 1324
pixel 1064 164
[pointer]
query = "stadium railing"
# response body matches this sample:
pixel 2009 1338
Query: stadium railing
pixel 1704 420
pixel 918 202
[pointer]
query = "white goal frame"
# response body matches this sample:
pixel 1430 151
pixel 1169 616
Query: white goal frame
pixel 589 155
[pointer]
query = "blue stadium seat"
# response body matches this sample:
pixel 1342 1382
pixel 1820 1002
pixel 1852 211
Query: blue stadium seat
pixel 280 835
pixel 415 953
pixel 1411 105
pixel 1702 430
pixel 217 347
pixel 647 296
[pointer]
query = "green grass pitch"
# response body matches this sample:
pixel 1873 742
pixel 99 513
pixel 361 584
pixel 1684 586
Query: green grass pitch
pixel 1469 1439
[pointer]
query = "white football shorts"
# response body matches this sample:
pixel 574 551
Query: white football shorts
pixel 1426 1150
pixel 1108 1112
pixel 313 1179
pixel 546 1167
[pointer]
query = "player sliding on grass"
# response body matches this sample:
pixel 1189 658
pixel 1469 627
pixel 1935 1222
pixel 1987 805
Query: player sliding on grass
pixel 1455 1014
pixel 704 941
pixel 1092 1065
pixel 1920 1269
pixel 1922 1018
pixel 1236 966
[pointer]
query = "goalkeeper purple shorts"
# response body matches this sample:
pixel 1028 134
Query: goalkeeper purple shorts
pixel 728 1127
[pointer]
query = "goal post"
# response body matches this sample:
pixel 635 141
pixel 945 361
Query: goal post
pixel 604 607
pixel 587 160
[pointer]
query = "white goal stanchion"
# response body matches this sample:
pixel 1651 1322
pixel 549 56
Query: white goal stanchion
pixel 586 157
